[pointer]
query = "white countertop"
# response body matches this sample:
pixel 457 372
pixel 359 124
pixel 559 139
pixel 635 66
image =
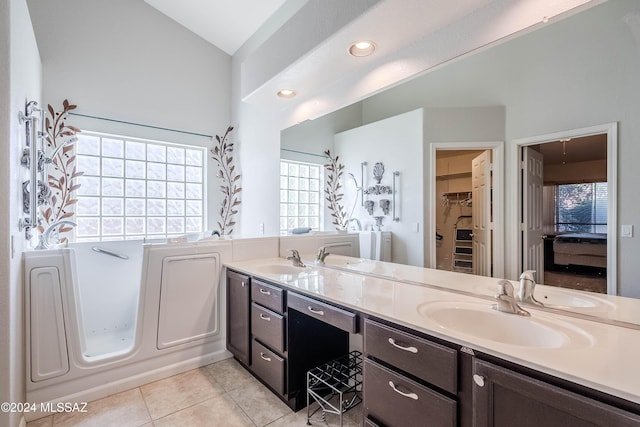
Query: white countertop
pixel 605 357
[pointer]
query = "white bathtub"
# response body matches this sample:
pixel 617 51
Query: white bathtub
pixel 97 323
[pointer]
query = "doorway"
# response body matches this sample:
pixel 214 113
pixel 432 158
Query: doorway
pixel 567 199
pixel 466 201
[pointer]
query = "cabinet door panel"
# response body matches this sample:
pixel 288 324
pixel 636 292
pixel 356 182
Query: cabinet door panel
pixel 238 328
pixel 395 400
pixel 504 398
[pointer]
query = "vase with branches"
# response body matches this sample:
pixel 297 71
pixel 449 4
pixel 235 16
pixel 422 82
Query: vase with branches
pixel 230 188
pixel 62 172
pixel 333 192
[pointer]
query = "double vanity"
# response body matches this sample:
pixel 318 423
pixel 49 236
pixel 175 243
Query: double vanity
pixel 436 352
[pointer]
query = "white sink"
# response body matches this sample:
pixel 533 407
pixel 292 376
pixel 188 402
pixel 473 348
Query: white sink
pixel 281 270
pixel 560 298
pixel 481 321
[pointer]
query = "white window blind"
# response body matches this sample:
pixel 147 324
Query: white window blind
pixel 582 207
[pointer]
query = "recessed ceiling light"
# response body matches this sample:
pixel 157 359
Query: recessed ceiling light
pixel 286 93
pixel 362 48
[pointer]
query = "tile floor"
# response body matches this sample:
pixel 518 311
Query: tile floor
pixel 222 394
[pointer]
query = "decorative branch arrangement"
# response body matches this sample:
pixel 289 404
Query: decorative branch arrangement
pixel 333 193
pixel 60 140
pixel 230 188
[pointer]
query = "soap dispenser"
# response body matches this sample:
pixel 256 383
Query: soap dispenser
pixel 527 287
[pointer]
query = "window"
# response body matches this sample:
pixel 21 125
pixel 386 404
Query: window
pixel 300 195
pixel 134 188
pixel 582 207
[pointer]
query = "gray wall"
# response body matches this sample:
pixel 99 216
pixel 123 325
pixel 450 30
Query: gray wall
pixel 124 60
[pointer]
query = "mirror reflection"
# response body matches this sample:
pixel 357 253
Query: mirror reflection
pixel 512 91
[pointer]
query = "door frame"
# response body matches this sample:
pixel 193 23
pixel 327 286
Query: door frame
pixel 611 130
pixel 497 225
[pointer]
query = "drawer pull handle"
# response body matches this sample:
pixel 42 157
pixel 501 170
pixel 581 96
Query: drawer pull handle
pixel 264 292
pixel 409 395
pixel 243 284
pixel 315 311
pixel 263 357
pixel 263 317
pixel 410 349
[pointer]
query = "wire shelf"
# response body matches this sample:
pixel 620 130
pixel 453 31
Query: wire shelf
pixel 339 379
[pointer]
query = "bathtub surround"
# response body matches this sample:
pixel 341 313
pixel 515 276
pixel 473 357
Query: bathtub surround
pixel 98 324
pixel 91 333
pixel 230 188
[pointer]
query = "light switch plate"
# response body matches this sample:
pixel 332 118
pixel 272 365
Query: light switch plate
pixel 626 230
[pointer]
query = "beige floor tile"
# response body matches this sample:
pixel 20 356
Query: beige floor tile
pixel 126 409
pixel 230 374
pixel 260 404
pixel 172 394
pixel 299 419
pixel 42 422
pixel 220 411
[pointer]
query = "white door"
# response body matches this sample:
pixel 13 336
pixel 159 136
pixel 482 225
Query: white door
pixel 481 211
pixel 532 184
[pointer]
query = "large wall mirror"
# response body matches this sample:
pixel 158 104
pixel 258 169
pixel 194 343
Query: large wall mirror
pixel 525 93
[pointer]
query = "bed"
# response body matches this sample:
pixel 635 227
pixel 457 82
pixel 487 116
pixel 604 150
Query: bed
pixel 582 249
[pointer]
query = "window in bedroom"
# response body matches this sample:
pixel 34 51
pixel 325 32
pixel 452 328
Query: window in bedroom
pixel 301 201
pixel 581 207
pixel 134 188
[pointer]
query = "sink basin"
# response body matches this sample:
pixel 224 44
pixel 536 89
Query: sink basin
pixel 481 321
pixel 557 298
pixel 280 270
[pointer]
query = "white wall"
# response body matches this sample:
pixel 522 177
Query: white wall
pixel 397 143
pixel 125 60
pixel 259 133
pixel 21 73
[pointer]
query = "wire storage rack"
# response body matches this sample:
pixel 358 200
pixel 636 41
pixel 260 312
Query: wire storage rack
pixel 340 378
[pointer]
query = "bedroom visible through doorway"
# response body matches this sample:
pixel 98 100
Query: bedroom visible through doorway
pixel 565 205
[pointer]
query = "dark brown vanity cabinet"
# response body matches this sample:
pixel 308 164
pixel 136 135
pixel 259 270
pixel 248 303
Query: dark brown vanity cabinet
pixel 278 338
pixel 505 398
pixel 238 311
pixel 408 380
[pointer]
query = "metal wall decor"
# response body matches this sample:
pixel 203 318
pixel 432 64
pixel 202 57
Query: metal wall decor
pixel 379 189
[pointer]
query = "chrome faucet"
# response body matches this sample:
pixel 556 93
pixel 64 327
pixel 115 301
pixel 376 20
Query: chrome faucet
pixel 506 301
pixel 527 286
pixel 43 239
pixel 295 258
pixel 322 254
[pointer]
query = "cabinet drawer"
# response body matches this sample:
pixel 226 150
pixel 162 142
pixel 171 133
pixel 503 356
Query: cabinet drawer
pixel 395 400
pixel 429 361
pixel 335 316
pixel 268 296
pixel 269 366
pixel 268 327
